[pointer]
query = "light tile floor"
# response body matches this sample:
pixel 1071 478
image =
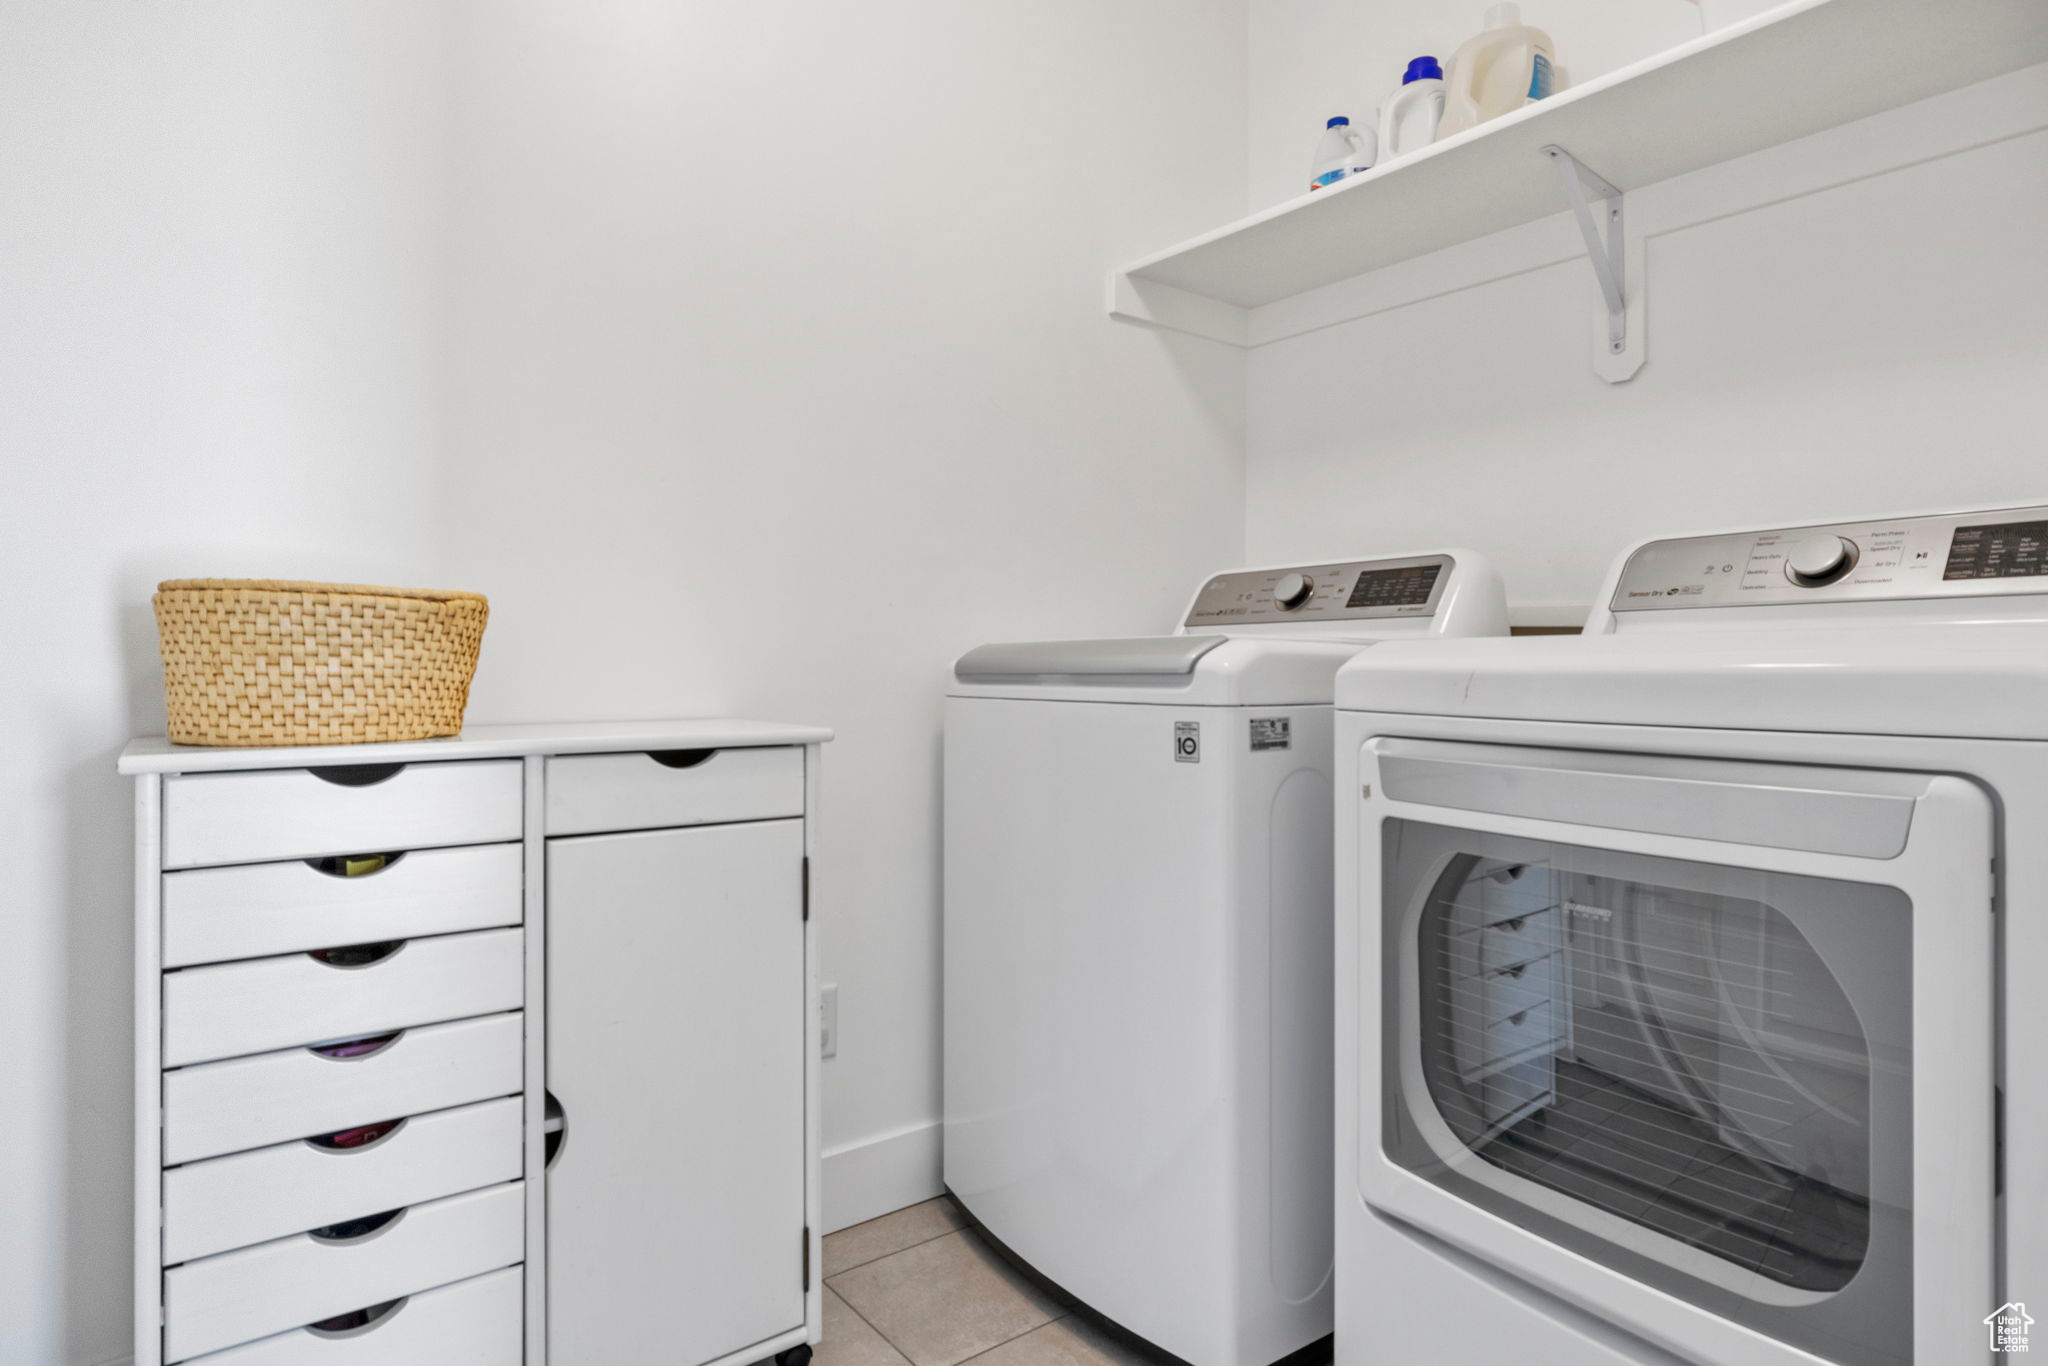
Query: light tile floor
pixel 921 1288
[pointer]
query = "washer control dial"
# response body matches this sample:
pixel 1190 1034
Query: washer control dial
pixel 1293 590
pixel 1816 560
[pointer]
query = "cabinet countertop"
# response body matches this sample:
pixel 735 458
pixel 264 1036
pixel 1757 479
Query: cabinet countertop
pixel 155 754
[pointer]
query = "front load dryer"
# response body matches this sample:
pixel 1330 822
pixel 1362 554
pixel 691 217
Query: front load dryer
pixel 1137 941
pixel 1689 969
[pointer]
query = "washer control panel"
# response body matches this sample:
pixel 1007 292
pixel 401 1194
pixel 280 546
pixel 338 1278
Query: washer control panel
pixel 1351 590
pixel 1970 554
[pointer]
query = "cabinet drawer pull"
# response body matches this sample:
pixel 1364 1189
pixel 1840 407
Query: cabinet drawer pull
pixel 680 758
pixel 356 775
pixel 360 1139
pixel 357 1322
pixel 354 1050
pixel 554 1131
pixel 352 1231
pixel 358 955
pixel 353 865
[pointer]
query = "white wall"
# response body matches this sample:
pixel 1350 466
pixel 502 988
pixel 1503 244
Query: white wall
pixel 770 374
pixel 219 254
pixel 781 378
pixel 749 356
pixel 1852 324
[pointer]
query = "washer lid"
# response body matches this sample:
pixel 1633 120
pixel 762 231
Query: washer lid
pixel 1185 671
pixel 1042 660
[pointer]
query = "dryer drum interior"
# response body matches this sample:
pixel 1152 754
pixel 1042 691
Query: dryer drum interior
pixel 1696 1074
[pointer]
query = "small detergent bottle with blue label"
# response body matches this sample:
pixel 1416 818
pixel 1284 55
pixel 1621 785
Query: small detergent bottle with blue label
pixel 1341 151
pixel 1508 66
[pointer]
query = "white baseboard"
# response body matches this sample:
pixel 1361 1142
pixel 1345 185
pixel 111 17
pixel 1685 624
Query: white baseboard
pixel 877 1175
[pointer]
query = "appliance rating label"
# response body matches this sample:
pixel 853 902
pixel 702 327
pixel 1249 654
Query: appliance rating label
pixel 1271 732
pixel 1187 742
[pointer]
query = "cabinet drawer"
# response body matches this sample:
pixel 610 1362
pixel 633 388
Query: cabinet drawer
pixel 1514 989
pixel 1517 1034
pixel 231 1202
pixel 225 1107
pixel 588 793
pixel 230 1009
pixel 309 812
pixel 221 1301
pixel 1504 944
pixel 477 1322
pixel 215 914
pixel 1500 890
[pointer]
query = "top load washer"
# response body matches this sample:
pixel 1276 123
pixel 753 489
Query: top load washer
pixel 1683 965
pixel 1137 934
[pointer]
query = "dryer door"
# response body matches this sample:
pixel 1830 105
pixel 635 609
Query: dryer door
pixel 1667 1015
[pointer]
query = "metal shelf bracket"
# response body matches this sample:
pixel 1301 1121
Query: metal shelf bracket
pixel 1609 254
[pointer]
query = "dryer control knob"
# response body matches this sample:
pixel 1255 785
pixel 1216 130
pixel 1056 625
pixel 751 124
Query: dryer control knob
pixel 1293 590
pixel 1819 559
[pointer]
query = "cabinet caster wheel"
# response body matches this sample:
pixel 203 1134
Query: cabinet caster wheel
pixel 795 1356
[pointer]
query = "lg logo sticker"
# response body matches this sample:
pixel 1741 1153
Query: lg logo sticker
pixel 1187 742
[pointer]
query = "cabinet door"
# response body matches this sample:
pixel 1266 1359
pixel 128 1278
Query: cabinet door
pixel 675 1034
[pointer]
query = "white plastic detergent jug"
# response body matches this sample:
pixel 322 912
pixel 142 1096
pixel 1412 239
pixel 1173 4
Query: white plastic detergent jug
pixel 1409 117
pixel 1342 151
pixel 1506 67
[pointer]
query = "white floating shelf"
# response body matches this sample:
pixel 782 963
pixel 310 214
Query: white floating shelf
pixel 1805 67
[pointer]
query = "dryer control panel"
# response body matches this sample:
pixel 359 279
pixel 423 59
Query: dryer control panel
pixel 1351 590
pixel 1973 554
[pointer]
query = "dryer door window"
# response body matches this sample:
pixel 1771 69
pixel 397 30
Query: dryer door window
pixel 1696 1074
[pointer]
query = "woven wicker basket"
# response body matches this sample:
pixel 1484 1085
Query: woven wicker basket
pixel 263 662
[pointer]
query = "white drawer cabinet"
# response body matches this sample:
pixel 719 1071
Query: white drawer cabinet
pixel 362 975
pixel 1506 989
